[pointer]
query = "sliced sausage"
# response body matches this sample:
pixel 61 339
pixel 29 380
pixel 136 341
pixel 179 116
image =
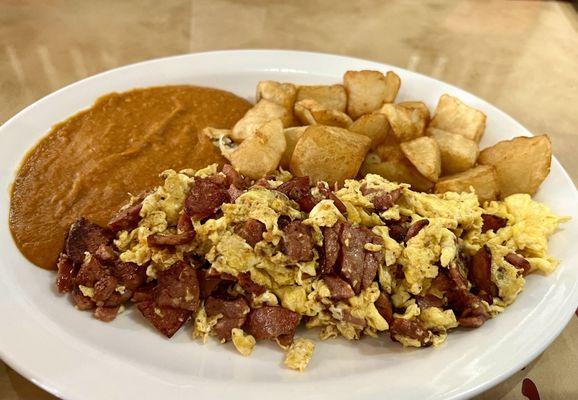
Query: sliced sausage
pixel 411 329
pixel 128 217
pixel 164 240
pixel 178 287
pixel 480 272
pixel 415 228
pixel 519 262
pixel 384 307
pixel 492 222
pixel 65 275
pixel 331 247
pixel 205 198
pixel 252 231
pixel 237 308
pixel 298 243
pixel 129 274
pixel 85 236
pixel 270 322
pixel 167 320
pixel 339 289
pixel 106 314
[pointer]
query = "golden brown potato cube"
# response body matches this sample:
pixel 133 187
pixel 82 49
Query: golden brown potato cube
pixel 368 90
pixel 283 94
pixel 424 154
pixel 261 113
pixel 292 136
pixel 420 106
pixel 454 116
pixel 327 153
pixel 260 153
pixel 407 124
pixel 332 97
pixel 394 167
pixel 310 112
pixel 482 178
pixel 375 126
pixel 522 163
pixel 458 153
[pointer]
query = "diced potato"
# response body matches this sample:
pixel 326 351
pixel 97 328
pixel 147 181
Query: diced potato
pixel 482 178
pixel 261 113
pixel 390 162
pixel 292 136
pixel 310 112
pixel 375 126
pixel 424 154
pixel 329 154
pixel 407 124
pixel 454 116
pixel 522 163
pixel 367 90
pixel 283 94
pixel 458 153
pixel 260 154
pixel 332 97
pixel 418 105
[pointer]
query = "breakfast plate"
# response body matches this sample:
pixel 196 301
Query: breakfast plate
pixel 75 356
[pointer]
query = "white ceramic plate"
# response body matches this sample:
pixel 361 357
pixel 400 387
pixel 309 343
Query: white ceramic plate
pixel 77 357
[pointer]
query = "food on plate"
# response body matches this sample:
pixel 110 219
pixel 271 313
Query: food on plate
pixel 367 91
pixel 483 179
pixel 246 261
pixel 373 125
pixel 88 163
pixel 292 136
pixel 310 112
pixel 260 153
pixel 283 94
pixel 327 153
pixel 521 164
pixel 424 154
pixel 261 113
pixel 332 97
pixel 420 106
pixel 457 153
pixel 396 168
pixel 406 123
pixel 454 116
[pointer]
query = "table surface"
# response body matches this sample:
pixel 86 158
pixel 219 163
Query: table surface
pixel 521 56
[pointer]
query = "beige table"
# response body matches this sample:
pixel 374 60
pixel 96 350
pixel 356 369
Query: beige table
pixel 521 56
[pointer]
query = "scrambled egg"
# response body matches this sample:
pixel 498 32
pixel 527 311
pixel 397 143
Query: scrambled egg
pixel 454 226
pixel 299 354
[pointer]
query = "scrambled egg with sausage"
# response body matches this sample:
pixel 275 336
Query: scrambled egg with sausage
pixel 410 269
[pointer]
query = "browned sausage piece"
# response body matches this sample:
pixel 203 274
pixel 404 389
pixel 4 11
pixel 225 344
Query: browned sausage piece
pixel 237 308
pixel 339 289
pixel 234 178
pixel 224 326
pixel 184 223
pixel 492 222
pixel 383 200
pixel 331 247
pixel 415 228
pixel 85 236
pixel 128 217
pixel 270 322
pixel 81 301
pixel 167 320
pixel 205 198
pixel 409 329
pixel 468 308
pixel 248 285
pixel 129 274
pixel 106 314
pixel 429 301
pixel 481 273
pixel 103 288
pixel 519 262
pixel 358 266
pixel 160 240
pixel 90 272
pixel 252 231
pixel 106 254
pixel 65 275
pixel 384 307
pixel 298 243
pixel 178 287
